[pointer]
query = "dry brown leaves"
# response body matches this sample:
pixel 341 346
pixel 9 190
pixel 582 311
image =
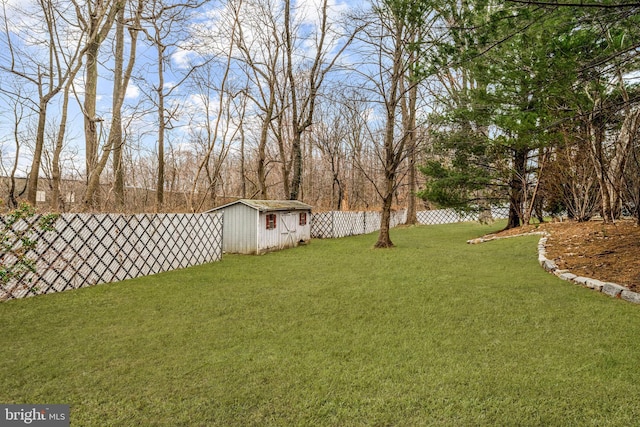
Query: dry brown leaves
pixel 609 252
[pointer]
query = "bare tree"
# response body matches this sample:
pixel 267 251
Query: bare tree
pixel 330 137
pixel 392 27
pixel 609 153
pixel 408 109
pixel 261 43
pixel 304 89
pixel 56 174
pixel 360 169
pixel 17 111
pixel 216 133
pixel 96 18
pixel 122 76
pixel 165 27
pixel 49 76
pixel 571 181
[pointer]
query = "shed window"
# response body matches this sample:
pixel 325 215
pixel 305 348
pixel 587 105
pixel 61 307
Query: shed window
pixel 303 218
pixel 271 221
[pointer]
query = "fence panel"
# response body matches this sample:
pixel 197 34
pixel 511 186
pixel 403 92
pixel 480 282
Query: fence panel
pixel 89 249
pixel 500 212
pixel 348 223
pixel 398 218
pixel 322 225
pixel 438 216
pixel 335 224
pixel 372 222
pixel 450 216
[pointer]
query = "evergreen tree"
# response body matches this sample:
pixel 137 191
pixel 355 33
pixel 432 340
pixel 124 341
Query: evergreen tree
pixel 530 78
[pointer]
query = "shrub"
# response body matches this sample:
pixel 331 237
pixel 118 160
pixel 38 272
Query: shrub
pixel 19 232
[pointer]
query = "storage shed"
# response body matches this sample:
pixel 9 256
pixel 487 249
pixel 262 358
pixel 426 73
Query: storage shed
pixel 258 226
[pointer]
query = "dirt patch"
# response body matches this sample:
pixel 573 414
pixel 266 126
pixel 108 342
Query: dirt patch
pixel 603 251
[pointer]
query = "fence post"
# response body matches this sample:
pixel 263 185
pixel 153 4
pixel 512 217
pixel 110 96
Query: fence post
pixel 333 224
pixel 364 222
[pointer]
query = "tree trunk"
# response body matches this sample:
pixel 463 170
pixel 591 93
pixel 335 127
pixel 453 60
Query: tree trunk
pixel 335 171
pixel 118 168
pixel 517 188
pixel 57 201
pixel 513 221
pixel 296 153
pixel 542 160
pixel 95 163
pixel 285 165
pixel 262 157
pixel 161 129
pixel 90 99
pixel 101 21
pixel 410 127
pixel 393 150
pixel 638 208
pixel 384 238
pixel 596 138
pixel 298 128
pixel 243 174
pixel 13 201
pixel 623 145
pixel 116 121
pixel 412 214
pixel 391 159
pixel 34 173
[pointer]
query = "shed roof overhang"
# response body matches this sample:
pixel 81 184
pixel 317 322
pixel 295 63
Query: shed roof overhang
pixel 267 205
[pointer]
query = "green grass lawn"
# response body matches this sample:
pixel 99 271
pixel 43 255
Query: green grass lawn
pixel 432 332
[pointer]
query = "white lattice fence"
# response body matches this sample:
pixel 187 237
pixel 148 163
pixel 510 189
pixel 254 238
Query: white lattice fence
pixel 88 249
pixel 372 222
pixel 327 225
pixel 321 225
pixel 348 223
pixel 500 212
pixel 337 224
pixel 450 216
pixel 439 216
pixel 398 218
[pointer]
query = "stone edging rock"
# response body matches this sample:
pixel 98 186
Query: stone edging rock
pixel 612 289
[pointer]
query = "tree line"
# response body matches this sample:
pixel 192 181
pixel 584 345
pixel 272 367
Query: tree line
pixel 184 104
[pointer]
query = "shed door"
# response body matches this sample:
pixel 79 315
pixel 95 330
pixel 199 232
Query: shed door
pixel 288 225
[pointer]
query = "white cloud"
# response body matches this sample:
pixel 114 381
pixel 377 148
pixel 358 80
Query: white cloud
pixel 169 85
pixel 182 59
pixel 309 12
pixel 133 92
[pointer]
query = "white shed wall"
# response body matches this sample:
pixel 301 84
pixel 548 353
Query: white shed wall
pixel 268 240
pixel 288 231
pixel 240 232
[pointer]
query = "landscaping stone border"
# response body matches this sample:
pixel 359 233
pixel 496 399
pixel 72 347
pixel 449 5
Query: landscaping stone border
pixel 612 289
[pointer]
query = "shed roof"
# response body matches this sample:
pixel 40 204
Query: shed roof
pixel 267 205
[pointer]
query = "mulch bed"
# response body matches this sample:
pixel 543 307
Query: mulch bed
pixel 609 252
